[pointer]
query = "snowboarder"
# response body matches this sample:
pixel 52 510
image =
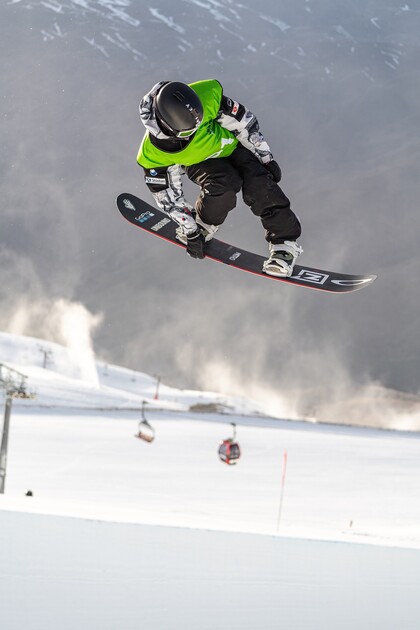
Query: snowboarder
pixel 197 130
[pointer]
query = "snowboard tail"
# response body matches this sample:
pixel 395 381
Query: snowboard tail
pixel 150 219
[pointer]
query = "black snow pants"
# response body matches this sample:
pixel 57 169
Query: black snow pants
pixel 221 179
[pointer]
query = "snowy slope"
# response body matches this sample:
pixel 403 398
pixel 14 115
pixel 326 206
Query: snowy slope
pixel 121 533
pixel 71 573
pixel 65 377
pixel 341 483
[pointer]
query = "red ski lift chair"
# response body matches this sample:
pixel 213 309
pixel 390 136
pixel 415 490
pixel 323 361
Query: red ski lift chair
pixel 229 450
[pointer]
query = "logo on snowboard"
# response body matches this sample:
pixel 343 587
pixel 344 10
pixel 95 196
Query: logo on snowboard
pixel 160 224
pixel 128 204
pixel 145 216
pixel 320 278
pixel 311 276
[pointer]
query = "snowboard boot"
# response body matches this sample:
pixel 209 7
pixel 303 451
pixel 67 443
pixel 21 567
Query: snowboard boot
pixel 282 259
pixel 208 231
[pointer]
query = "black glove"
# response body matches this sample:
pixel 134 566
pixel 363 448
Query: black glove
pixel 274 169
pixel 195 244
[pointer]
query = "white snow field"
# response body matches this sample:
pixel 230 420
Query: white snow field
pixel 121 534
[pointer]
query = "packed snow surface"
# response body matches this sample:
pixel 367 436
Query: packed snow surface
pixel 122 534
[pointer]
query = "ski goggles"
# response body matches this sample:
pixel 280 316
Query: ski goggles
pixel 186 133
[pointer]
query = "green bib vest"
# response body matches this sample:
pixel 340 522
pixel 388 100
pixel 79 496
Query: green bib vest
pixel 209 141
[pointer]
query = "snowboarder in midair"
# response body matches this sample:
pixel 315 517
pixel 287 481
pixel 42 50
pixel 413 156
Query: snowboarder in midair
pixel 195 129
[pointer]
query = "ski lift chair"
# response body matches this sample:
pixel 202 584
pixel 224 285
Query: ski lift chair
pixel 145 431
pixel 229 449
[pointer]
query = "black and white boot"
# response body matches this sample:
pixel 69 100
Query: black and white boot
pixel 282 259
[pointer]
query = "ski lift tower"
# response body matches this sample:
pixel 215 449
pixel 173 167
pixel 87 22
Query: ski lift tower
pixel 13 384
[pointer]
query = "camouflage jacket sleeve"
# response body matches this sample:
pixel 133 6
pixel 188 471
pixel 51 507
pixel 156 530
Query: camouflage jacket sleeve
pixel 165 184
pixel 244 125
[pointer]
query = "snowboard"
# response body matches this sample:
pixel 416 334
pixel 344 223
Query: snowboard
pixel 151 220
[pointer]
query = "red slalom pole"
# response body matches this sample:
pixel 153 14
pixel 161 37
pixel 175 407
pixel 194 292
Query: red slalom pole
pixel 283 481
pixel 156 396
